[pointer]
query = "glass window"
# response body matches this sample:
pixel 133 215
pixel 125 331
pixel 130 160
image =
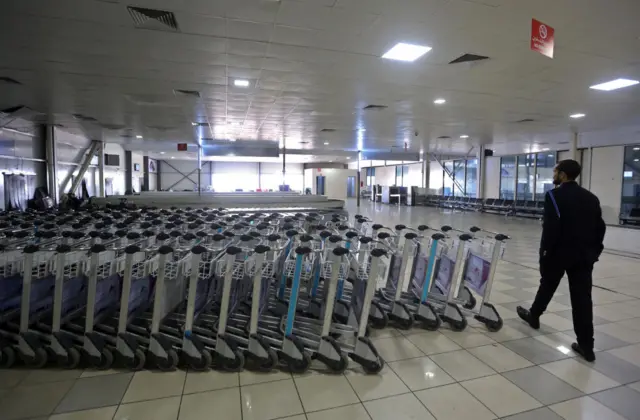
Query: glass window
pixel 471 181
pixel 398 176
pixel 405 176
pixel 448 181
pixel 544 173
pixel 436 178
pixel 371 176
pixel 525 177
pixel 459 177
pixel 631 181
pixel 507 177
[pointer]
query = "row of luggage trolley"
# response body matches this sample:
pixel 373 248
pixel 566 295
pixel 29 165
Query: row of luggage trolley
pixel 229 290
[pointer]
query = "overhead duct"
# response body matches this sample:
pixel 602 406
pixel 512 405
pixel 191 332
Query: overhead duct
pixel 246 148
pixel 384 155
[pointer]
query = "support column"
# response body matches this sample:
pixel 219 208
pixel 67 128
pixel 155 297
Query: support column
pixel 284 162
pixel 158 176
pixel 145 174
pixel 358 180
pixel 199 170
pixel 482 160
pixel 574 147
pixel 427 170
pixel 101 169
pixel 128 172
pixel 260 176
pixel 49 177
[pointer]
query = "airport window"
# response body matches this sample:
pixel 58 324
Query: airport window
pixel 471 180
pixel 448 179
pixel 526 179
pixel 508 177
pixel 546 161
pixel 405 176
pixel 630 203
pixel 459 174
pixel 371 176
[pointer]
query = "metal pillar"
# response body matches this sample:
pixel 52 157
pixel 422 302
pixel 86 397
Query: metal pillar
pixel 199 170
pixel 101 168
pixel 52 165
pixel 358 180
pixel 284 162
pixel 128 172
pixel 481 170
pixel 427 170
pixel 145 174
pixel 574 147
pixel 260 176
pixel 86 161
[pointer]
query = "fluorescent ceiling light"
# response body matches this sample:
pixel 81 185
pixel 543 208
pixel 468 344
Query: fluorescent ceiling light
pixel 173 157
pixel 406 52
pixel 439 101
pixel 464 136
pixel 138 136
pixel 326 143
pixel 231 154
pixel 241 83
pixel 162 153
pixel 615 84
pixel 636 148
pixel 577 116
pixel 194 123
pixel 545 149
pixel 232 140
pixel 635 160
pixel 348 158
pixel 628 174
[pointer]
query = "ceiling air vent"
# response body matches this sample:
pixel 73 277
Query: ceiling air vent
pixel 82 117
pixel 469 58
pixel 375 107
pixel 525 120
pixel 9 80
pixel 158 20
pixel 200 124
pixel 444 138
pixel 328 130
pixel 182 92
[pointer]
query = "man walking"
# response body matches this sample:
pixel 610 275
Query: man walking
pixel 572 241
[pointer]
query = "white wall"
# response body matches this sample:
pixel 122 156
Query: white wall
pixel 115 173
pixel 415 175
pixel 335 181
pixel 492 177
pixel 435 177
pixel 606 180
pixel 386 175
pixel 585 177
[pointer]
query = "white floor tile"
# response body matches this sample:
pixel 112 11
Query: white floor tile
pixel 462 365
pixel 268 401
pixel 620 332
pixel 149 385
pixel 585 408
pixel 248 377
pixel 630 353
pixel 401 407
pixel 210 381
pixel 420 373
pixel 453 402
pixel 351 412
pixel 105 413
pixel 433 342
pixel 370 387
pixel 224 403
pixel 468 339
pixel 396 348
pixel 162 409
pixel 320 392
pixel 500 358
pixel 501 396
pixel 580 376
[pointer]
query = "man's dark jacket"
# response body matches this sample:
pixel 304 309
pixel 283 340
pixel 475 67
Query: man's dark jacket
pixel 573 229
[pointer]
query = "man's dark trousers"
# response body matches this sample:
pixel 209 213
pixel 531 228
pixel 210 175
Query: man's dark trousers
pixel 580 284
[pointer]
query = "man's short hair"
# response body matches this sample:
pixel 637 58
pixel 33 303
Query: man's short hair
pixel 570 167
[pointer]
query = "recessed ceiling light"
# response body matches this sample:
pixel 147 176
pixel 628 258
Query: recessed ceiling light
pixel 138 136
pixel 162 153
pixel 576 116
pixel 406 52
pixel 348 157
pixel 439 101
pixel 326 143
pixel 173 157
pixel 231 154
pixel 635 160
pixel 241 83
pixel 464 136
pixel 194 123
pixel 636 148
pixel 545 149
pixel 232 140
pixel 421 152
pixel 615 84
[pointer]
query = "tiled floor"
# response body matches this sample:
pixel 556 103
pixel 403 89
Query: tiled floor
pixel 516 374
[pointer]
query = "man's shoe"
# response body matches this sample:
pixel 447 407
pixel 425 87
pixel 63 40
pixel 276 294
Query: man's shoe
pixel 525 315
pixel 587 355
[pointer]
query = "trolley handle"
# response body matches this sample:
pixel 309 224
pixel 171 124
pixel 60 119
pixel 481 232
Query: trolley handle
pixel 496 235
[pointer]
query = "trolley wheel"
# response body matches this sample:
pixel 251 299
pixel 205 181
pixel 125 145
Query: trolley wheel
pixel 39 360
pixel 373 368
pixel 272 363
pixel 341 365
pixel 203 363
pixel 170 363
pixel 106 359
pixel 432 324
pixel 379 323
pixel 494 326
pixel 300 366
pixel 139 360
pixel 7 357
pixel 458 325
pixel 472 301
pixel 73 359
pixel 236 364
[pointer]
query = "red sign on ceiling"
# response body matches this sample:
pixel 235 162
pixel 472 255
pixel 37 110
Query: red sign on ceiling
pixel 542 38
pixel 182 147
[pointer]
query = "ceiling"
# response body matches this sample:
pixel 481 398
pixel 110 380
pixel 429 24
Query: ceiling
pixel 315 64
